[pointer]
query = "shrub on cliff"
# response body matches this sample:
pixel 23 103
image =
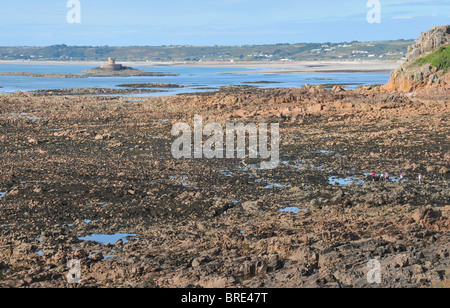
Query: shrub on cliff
pixel 439 59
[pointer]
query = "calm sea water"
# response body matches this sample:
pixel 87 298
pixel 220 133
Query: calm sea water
pixel 191 78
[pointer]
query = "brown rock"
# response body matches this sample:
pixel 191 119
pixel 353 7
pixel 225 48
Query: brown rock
pixel 315 108
pixel 426 214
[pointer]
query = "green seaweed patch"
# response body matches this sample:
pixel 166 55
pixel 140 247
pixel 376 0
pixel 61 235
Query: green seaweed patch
pixel 439 59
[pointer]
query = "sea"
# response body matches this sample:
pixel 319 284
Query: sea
pixel 193 79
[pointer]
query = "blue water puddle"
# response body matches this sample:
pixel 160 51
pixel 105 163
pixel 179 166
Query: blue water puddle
pixel 22 113
pixel 98 203
pixel 299 165
pixel 272 185
pixel 4 271
pixel 393 178
pixel 294 210
pixel 234 172
pixel 276 185
pixel 245 171
pixel 105 239
pixel 37 182
pixel 333 180
pixel 328 152
pixel 88 221
pixel 40 251
pixel 108 257
pixel 323 152
pixel 225 172
pixel 179 179
pixel 345 181
pixel 26 115
pixel 220 150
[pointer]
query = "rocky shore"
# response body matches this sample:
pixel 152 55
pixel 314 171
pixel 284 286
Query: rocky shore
pixel 93 179
pixel 91 91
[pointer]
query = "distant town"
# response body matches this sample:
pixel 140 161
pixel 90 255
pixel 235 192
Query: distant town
pixel 383 50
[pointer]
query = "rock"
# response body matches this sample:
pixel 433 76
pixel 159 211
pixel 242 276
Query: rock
pixel 426 214
pixel 400 261
pixel 261 267
pixel 251 207
pixel 414 76
pixel 247 268
pixel 98 256
pixel 32 141
pixel 337 89
pixel 315 108
pixel 197 262
pixel 432 39
pixel 315 203
pixel 444 170
pixel 303 254
pixel 218 282
pixel 220 206
pixel 22 250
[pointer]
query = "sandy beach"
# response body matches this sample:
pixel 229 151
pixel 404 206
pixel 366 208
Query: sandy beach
pixel 263 67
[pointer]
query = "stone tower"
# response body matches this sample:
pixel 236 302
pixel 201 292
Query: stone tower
pixel 112 66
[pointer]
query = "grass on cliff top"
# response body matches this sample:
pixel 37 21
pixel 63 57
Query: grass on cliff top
pixel 439 59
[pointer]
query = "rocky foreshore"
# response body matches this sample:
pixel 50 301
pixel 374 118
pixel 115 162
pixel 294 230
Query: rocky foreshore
pixel 38 75
pixel 93 179
pixel 91 91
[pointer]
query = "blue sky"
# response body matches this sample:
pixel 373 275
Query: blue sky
pixel 214 22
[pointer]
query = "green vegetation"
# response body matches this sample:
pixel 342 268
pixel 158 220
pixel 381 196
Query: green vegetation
pixel 277 52
pixel 439 59
pixel 441 285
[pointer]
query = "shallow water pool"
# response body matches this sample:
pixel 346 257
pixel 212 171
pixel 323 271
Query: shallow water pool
pixel 108 238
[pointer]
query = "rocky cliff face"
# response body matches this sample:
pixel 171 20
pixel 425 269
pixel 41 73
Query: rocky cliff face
pixel 419 72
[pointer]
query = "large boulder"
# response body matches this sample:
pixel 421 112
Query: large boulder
pixel 428 41
pixel 420 72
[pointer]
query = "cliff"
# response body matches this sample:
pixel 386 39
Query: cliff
pixel 427 64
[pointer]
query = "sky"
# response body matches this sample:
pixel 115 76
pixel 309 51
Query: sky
pixel 214 22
